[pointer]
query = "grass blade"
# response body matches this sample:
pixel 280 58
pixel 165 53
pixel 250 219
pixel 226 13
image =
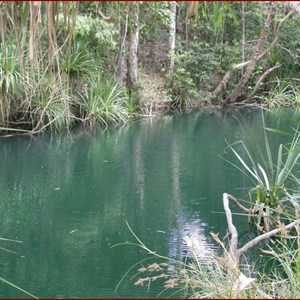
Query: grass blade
pixel 18 288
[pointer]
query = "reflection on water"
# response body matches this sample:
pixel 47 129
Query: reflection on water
pixel 191 241
pixel 68 199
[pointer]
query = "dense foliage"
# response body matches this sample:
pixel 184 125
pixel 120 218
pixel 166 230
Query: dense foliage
pixel 52 52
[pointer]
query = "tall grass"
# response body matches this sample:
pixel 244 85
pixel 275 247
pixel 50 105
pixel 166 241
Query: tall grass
pixel 5 281
pixel 283 282
pixel 11 80
pixel 79 61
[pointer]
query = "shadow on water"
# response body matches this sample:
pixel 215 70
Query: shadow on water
pixel 67 197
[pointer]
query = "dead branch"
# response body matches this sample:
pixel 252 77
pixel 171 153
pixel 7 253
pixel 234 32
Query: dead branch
pixel 266 235
pixel 236 253
pixel 106 18
pixel 239 205
pixel 233 250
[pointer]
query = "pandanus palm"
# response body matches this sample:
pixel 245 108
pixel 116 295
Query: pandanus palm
pixel 272 179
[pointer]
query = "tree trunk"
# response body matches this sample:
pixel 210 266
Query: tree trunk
pixel 250 67
pixel 132 60
pixel 243 32
pixel 172 35
pixel 221 88
pixel 123 33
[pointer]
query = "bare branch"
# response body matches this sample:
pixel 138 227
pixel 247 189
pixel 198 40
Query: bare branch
pixel 266 235
pixel 223 84
pixel 109 18
pixel 255 59
pixel 295 5
pixel 238 204
pixel 236 253
pixel 232 229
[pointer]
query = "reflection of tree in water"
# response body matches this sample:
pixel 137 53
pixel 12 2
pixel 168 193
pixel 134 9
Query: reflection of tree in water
pixel 190 240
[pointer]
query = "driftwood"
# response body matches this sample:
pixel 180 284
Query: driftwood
pixel 234 252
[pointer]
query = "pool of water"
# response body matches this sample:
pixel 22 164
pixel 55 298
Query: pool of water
pixel 68 197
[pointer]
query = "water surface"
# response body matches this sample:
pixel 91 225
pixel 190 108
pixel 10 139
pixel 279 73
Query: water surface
pixel 68 197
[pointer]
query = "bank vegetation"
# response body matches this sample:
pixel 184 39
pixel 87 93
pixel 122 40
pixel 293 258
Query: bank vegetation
pixel 103 63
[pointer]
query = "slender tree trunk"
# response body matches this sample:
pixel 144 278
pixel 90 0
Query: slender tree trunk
pixel 243 32
pixel 250 67
pixel 132 60
pixel 122 42
pixel 172 35
pixel 192 10
pixel 52 42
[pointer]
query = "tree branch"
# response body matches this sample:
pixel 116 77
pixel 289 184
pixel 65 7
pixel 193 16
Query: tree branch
pixel 273 43
pixel 254 59
pixel 232 230
pixel 264 236
pixel 261 78
pixel 239 205
pixel 236 253
pixel 223 84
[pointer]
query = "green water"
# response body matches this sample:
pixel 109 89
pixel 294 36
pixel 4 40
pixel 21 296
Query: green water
pixel 68 197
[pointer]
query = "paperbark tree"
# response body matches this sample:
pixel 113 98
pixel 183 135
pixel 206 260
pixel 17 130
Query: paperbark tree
pixel 122 45
pixel 172 35
pixel 133 42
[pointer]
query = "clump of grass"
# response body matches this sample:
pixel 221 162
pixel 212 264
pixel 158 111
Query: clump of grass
pixel 104 102
pixel 283 282
pixel 282 95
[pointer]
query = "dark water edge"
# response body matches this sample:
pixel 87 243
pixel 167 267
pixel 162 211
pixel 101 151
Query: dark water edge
pixel 68 197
